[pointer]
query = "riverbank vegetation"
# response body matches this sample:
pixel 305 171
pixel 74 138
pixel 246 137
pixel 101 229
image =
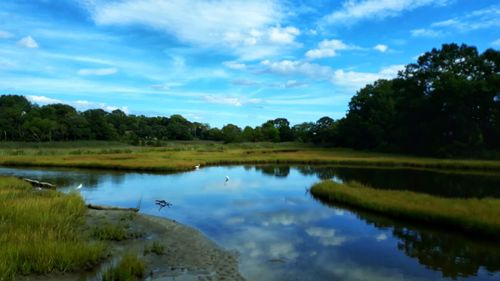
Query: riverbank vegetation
pixel 40 231
pixel 476 216
pixel 446 104
pixel 182 156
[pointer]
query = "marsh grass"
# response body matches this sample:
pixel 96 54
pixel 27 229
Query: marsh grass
pixel 129 268
pixel 110 232
pixel 155 248
pixel 40 231
pixel 183 156
pixel 480 217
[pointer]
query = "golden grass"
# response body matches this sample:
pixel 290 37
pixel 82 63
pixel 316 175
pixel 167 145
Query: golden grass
pixel 475 216
pixel 40 231
pixel 179 156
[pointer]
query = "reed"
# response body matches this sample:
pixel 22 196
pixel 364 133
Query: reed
pixel 40 231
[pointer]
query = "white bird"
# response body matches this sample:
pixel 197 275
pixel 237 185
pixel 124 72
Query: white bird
pixel 227 178
pixel 80 186
pixel 197 166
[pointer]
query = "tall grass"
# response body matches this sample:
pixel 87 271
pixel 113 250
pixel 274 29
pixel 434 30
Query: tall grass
pixel 474 216
pixel 40 231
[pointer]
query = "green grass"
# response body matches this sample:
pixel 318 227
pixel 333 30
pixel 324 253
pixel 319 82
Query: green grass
pixel 110 232
pixel 182 156
pixel 130 268
pixel 40 231
pixel 155 248
pixel 473 216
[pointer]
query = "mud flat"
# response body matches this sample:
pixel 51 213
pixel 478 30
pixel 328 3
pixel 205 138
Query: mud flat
pixel 188 254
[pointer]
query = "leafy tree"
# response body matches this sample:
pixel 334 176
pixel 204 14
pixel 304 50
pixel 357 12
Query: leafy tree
pixel 231 133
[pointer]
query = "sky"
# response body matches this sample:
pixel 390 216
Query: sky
pixel 224 61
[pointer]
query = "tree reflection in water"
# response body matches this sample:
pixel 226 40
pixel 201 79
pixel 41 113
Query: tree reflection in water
pixel 452 254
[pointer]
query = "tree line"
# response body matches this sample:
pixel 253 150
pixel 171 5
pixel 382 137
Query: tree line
pixel 21 120
pixel 447 102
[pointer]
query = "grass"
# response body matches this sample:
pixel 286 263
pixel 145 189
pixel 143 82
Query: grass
pixel 155 248
pixel 183 156
pixel 474 216
pixel 40 231
pixel 110 232
pixel 130 268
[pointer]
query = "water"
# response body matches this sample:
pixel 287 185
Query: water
pixel 282 233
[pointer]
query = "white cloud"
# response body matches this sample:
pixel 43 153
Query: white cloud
pixel 424 32
pixel 381 48
pixel 283 35
pixel 5 34
pixel 234 65
pixel 478 19
pixel 357 10
pixel 294 67
pixel 496 43
pixel 97 71
pixel 356 80
pixel 351 80
pixel 28 42
pixel 250 29
pixel 43 100
pixel 78 104
pixel 229 100
pixel 328 48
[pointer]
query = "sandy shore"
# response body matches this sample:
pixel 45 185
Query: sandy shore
pixel 189 255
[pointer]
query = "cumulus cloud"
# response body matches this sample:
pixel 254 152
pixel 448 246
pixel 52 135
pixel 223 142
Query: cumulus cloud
pixel 496 43
pixel 381 48
pixel 283 35
pixel 328 48
pixel 356 10
pixel 97 71
pixel 28 42
pixel 355 80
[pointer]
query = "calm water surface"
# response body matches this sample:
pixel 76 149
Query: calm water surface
pixel 282 233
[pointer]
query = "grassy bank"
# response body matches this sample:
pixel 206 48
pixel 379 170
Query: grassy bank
pixel 182 156
pixel 40 231
pixel 473 216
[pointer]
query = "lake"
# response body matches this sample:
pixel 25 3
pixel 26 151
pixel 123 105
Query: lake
pixel 281 233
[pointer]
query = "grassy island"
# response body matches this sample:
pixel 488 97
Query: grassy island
pixel 475 216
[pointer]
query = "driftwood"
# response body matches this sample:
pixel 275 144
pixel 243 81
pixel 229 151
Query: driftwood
pixel 40 184
pixel 111 208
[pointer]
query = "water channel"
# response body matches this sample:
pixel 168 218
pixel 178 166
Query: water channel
pixel 281 232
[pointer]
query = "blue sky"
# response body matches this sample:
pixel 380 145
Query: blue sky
pixel 224 61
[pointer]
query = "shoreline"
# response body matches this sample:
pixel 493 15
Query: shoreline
pixel 188 253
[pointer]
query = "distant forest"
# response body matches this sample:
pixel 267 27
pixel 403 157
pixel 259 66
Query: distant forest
pixel 446 103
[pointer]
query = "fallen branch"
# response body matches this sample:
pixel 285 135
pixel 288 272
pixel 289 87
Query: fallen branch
pixel 40 184
pixel 111 208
